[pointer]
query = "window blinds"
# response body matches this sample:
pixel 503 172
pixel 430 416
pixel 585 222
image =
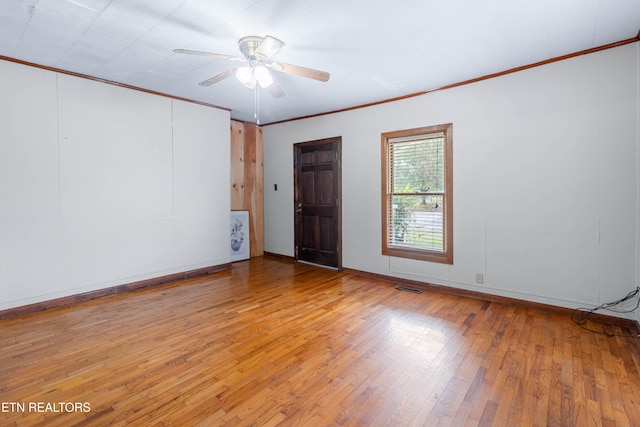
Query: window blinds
pixel 417 191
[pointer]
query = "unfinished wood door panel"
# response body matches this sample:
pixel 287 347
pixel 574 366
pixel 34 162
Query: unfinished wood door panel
pixel 247 185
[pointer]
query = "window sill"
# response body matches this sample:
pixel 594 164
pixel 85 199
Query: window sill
pixel 417 254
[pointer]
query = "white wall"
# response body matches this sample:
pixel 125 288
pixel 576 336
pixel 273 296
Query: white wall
pixel 545 180
pixel 101 185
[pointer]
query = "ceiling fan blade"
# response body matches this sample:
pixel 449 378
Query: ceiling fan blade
pixel 322 76
pixel 268 47
pixel 275 90
pixel 218 77
pixel 212 55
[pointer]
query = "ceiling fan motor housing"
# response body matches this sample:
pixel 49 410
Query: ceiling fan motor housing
pixel 259 48
pixel 248 46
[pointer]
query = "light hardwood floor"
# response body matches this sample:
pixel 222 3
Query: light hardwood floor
pixel 272 342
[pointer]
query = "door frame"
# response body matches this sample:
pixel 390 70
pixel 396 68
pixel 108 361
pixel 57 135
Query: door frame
pixel 337 141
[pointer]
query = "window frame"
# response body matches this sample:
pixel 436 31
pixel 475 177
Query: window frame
pixel 445 256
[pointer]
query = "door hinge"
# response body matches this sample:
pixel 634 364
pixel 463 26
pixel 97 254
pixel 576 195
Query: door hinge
pixel 296 251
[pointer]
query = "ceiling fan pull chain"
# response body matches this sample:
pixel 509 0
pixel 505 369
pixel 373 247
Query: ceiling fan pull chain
pixel 256 114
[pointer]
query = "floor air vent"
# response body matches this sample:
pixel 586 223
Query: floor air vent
pixel 404 288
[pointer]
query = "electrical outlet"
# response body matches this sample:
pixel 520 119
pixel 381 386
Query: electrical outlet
pixel 479 278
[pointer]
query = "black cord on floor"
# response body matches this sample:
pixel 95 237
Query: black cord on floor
pixel 581 316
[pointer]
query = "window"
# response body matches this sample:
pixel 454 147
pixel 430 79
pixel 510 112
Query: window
pixel 417 184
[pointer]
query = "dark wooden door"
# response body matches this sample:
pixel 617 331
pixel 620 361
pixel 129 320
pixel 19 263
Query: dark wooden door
pixel 317 202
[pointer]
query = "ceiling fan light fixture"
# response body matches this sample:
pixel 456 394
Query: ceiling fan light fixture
pixel 263 76
pixel 246 77
pixel 252 75
pixel 251 84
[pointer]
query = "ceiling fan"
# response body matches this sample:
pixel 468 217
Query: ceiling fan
pixel 257 53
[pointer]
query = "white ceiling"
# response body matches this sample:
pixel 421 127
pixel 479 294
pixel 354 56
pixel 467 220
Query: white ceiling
pixel 374 49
